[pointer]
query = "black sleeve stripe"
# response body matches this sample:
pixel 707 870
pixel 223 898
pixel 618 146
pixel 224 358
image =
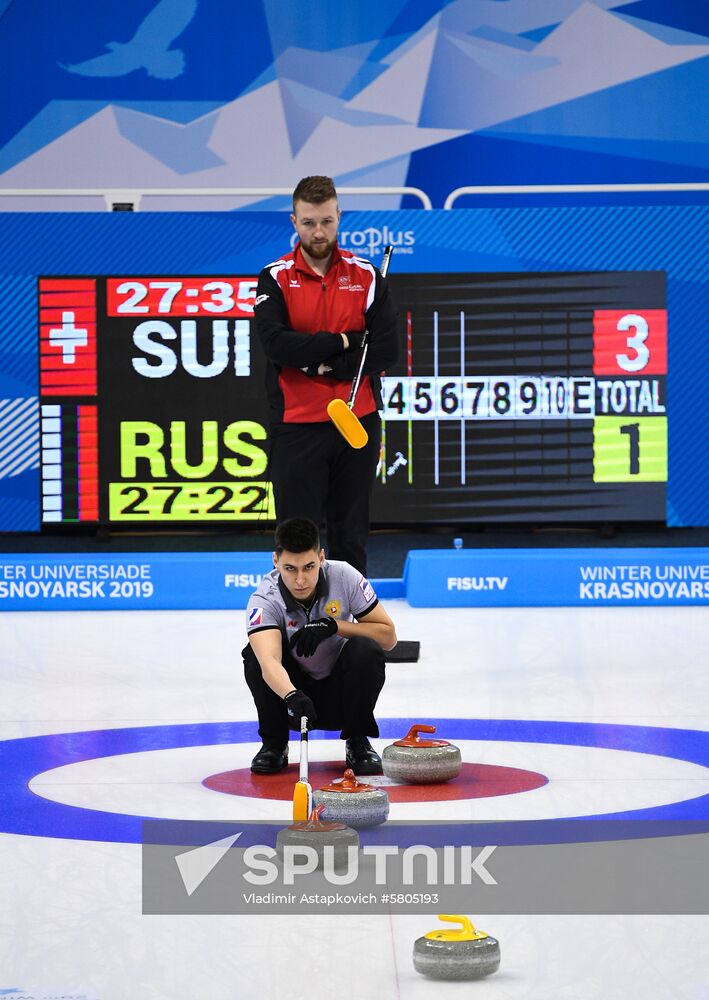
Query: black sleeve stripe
pixel 262 628
pixel 371 607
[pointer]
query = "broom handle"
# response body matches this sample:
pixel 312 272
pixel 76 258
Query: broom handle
pixel 303 748
pixel 388 251
pixel 386 257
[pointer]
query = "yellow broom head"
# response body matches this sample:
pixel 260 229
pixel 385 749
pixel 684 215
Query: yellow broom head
pixel 302 802
pixel 347 423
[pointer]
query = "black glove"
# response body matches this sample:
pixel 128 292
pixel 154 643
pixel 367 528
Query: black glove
pixel 307 639
pixel 355 338
pixel 313 371
pixel 298 705
pixel 341 363
pixel 344 367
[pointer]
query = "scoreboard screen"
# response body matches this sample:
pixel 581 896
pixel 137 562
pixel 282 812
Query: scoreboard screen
pixel 150 408
pixel 528 397
pixel 517 398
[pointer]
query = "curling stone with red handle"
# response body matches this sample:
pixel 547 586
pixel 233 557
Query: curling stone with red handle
pixel 318 834
pixel 353 802
pixel 465 953
pixel 421 761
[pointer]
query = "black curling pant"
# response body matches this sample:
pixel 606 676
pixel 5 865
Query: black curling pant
pixel 344 700
pixel 316 474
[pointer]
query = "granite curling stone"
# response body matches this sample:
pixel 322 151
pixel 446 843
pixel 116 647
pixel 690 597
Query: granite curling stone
pixel 421 761
pixel 318 834
pixel 353 802
pixel 464 953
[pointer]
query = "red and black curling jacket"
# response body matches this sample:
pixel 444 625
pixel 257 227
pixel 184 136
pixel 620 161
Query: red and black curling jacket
pixel 299 315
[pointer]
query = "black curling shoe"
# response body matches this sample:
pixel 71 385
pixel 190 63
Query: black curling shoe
pixel 270 759
pixel 361 757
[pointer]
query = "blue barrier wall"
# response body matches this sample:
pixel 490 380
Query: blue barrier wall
pixel 140 582
pixel 496 578
pixel 432 578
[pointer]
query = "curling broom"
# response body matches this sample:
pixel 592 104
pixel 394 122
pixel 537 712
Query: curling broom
pixel 342 413
pixel 303 792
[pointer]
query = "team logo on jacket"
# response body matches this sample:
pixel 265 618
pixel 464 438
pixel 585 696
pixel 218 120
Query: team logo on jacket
pixel 333 609
pixel 255 617
pixel 344 279
pixel 366 588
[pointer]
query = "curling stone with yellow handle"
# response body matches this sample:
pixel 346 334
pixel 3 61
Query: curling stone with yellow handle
pixel 464 953
pixel 420 761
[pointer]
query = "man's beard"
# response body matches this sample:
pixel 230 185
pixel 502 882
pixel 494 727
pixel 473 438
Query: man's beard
pixel 319 251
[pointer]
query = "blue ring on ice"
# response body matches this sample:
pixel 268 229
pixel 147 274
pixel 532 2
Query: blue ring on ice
pixel 24 812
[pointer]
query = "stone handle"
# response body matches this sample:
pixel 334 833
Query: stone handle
pixel 419 727
pixel 463 932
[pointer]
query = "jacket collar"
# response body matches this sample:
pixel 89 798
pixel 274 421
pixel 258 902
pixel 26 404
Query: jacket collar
pixel 302 265
pixel 321 590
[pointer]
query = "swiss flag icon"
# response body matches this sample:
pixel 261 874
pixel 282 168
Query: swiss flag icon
pixel 630 342
pixel 67 318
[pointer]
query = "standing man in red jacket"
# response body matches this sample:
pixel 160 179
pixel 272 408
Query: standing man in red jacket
pixel 312 308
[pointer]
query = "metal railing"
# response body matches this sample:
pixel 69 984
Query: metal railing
pixel 567 189
pixel 130 198
pixel 133 196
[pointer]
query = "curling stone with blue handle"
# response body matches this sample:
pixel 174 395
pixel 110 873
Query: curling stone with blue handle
pixel 353 802
pixel 420 761
pixel 464 953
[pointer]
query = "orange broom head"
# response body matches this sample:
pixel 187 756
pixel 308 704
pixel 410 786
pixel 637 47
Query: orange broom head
pixel 302 802
pixel 347 423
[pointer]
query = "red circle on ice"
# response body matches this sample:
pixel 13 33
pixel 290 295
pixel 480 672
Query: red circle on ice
pixel 475 781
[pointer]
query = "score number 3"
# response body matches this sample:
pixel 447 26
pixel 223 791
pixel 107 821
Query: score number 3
pixel 636 343
pixel 627 342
